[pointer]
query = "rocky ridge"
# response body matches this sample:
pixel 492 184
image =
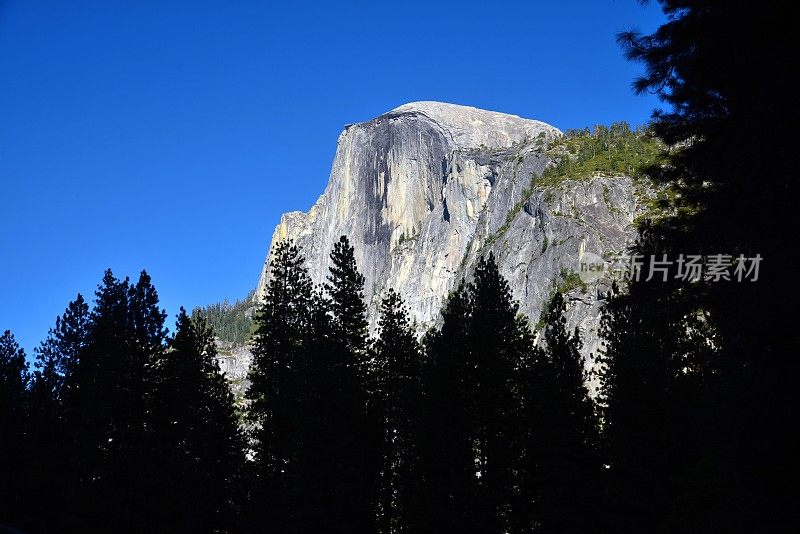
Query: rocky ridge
pixel 425 189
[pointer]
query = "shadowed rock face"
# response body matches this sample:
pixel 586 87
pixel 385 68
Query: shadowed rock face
pixel 425 189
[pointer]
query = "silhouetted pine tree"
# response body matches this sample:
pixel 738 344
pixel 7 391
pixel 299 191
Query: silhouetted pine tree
pixel 398 389
pixel 343 460
pixel 106 407
pixel 561 488
pixel 14 456
pixel 739 466
pixel 72 335
pixel 345 289
pixel 500 342
pixel 53 472
pixel 193 435
pixel 122 436
pixel 48 437
pixel 48 379
pixel 656 365
pixel 472 390
pixel 322 486
pixel 446 435
pixel 278 394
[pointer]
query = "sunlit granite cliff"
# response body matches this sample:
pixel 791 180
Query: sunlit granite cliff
pixel 425 189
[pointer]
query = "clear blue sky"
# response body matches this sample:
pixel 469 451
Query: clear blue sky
pixel 171 135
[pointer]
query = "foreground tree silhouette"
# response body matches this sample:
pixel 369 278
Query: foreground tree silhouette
pixel 345 289
pixel 473 360
pixel 702 379
pixel 106 406
pixel 47 444
pixel 14 456
pixel 193 434
pixel 308 399
pixel 446 452
pixel 561 465
pixel 53 472
pixel 397 396
pixel 500 341
pixel 121 435
pixel 278 394
pixel 345 434
pixel 657 365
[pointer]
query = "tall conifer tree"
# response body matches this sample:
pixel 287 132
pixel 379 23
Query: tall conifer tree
pixel 278 393
pixel 14 423
pixel 193 433
pixel 561 466
pixel 48 436
pixel 54 471
pixel 398 389
pixel 472 374
pixel 106 410
pixel 345 289
pixel 446 437
pixel 655 364
pixel 501 340
pixel 718 66
pixel 340 362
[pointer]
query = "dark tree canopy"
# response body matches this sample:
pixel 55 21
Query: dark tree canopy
pixel 500 338
pixel 14 375
pixel 347 431
pixel 14 380
pixel 397 396
pixel 193 433
pixel 472 369
pixel 561 458
pixel 278 390
pixel 697 382
pixel 120 428
pixel 446 447
pixel 345 289
pixel 308 398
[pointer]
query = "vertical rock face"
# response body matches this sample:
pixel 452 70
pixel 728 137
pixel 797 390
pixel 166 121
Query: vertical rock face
pixel 425 189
